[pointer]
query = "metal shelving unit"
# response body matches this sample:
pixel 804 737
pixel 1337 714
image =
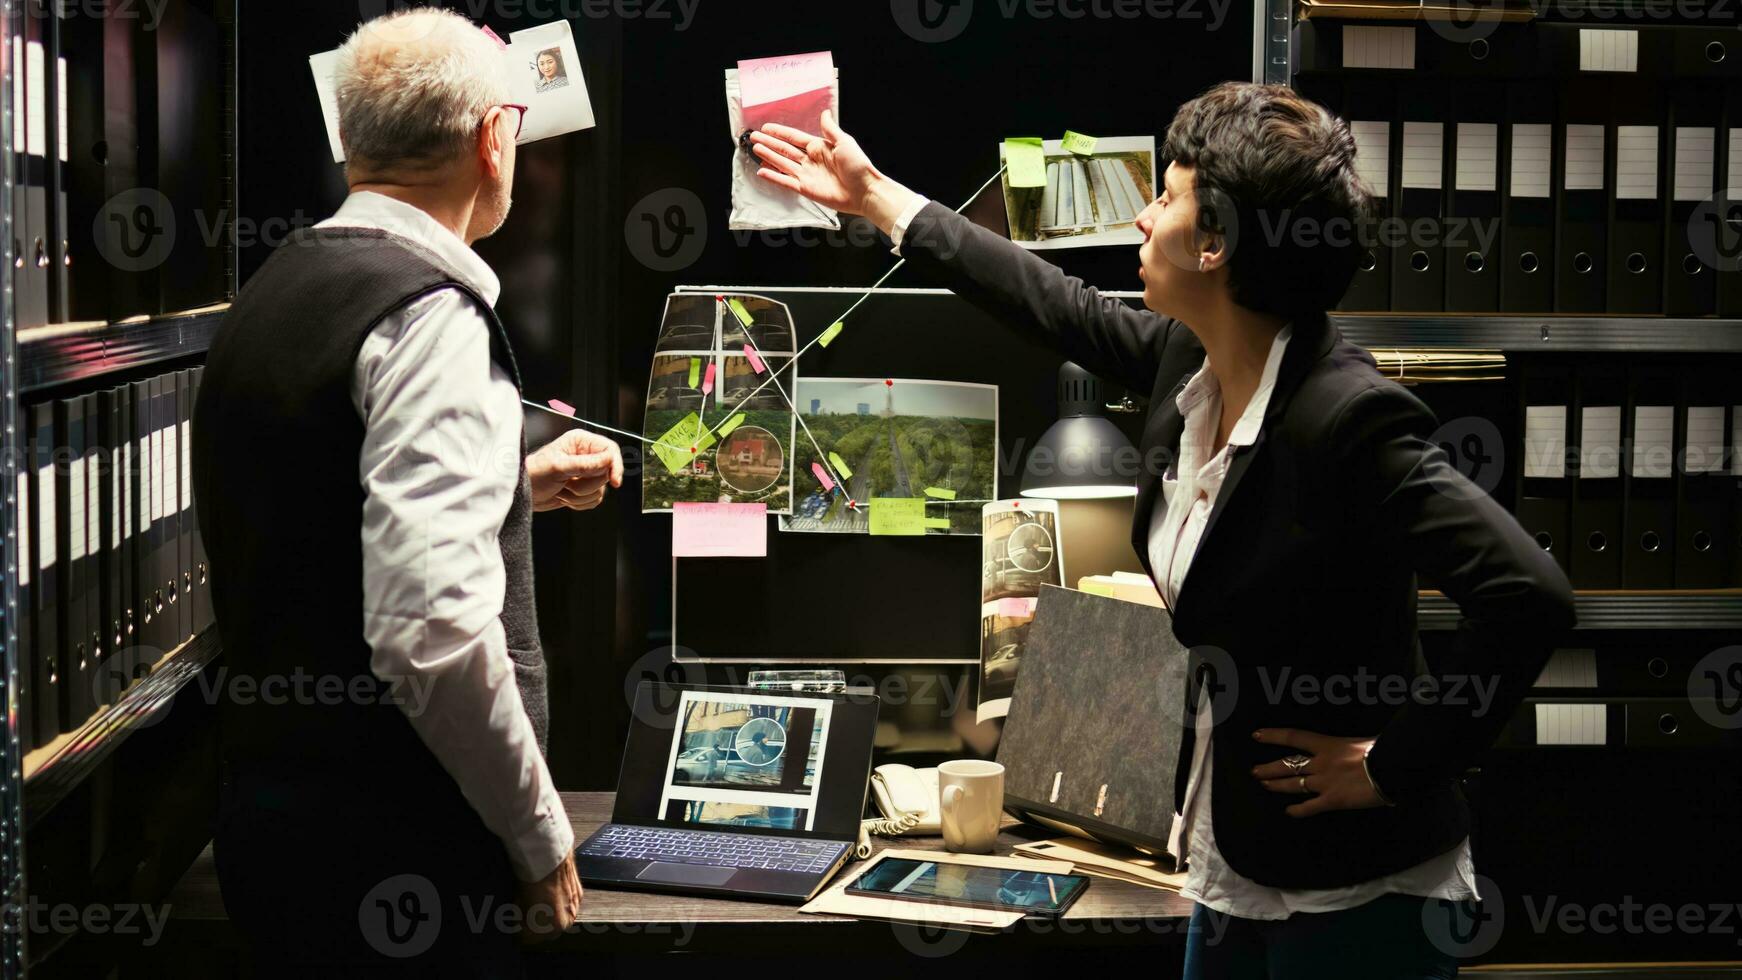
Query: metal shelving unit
pixel 1618 611
pixel 52 355
pixel 1542 333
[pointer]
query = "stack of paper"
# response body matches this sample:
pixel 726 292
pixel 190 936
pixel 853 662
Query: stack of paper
pixel 1107 861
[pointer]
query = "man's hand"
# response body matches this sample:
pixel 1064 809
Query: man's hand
pixel 574 470
pixel 829 169
pixel 1333 777
pixel 552 905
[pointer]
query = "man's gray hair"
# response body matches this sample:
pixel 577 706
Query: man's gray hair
pixel 413 88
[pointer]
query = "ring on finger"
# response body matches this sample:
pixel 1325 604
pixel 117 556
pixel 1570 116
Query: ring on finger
pixel 1303 785
pixel 1297 763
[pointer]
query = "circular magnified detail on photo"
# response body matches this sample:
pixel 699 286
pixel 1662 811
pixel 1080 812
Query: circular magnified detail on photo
pixel 1030 548
pixel 760 741
pixel 750 460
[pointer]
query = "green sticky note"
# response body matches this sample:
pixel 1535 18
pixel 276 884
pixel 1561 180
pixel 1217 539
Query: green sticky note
pixel 940 493
pixel 898 515
pixel 1027 161
pixel 1079 144
pixel 830 334
pixel 682 442
pixel 739 311
pixel 840 466
pixel 695 372
pixel 1096 588
pixel 731 423
pixel 942 522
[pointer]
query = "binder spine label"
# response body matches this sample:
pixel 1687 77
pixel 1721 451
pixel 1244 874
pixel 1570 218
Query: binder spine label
pixel 1545 442
pixel 45 542
pixel 1653 442
pixel 76 508
pixel 1600 442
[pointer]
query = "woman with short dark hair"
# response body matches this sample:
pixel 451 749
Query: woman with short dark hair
pixel 1302 498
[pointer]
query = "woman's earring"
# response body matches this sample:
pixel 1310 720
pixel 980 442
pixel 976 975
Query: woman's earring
pixel 1201 261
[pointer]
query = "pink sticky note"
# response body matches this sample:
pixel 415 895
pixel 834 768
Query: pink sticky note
pixel 709 530
pixel 708 379
pixel 562 406
pixel 495 37
pixel 755 362
pixel 764 80
pixel 1017 607
pixel 822 476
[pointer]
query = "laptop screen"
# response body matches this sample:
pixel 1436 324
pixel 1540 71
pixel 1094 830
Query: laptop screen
pixel 743 760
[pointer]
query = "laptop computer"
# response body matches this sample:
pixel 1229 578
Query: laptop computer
pixel 735 792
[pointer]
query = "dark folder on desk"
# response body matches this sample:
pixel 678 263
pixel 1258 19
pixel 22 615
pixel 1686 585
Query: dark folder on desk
pixel 1601 395
pixel 1635 266
pixel 1704 539
pixel 1688 282
pixel 1073 761
pixel 1544 480
pixel 1527 266
pixel 1472 249
pixel 1648 532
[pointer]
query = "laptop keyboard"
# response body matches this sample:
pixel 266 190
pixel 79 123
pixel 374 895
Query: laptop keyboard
pixel 708 847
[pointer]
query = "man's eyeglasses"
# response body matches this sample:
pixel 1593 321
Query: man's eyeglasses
pixel 519 120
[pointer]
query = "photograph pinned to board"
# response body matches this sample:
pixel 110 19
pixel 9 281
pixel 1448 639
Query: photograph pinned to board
pixel 745 759
pixel 543 71
pixel 722 431
pixel 1056 198
pixel 932 444
pixel 792 90
pixel 1020 552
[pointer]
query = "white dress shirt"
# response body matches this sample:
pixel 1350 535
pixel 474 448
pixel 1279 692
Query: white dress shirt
pixel 1189 493
pixel 440 464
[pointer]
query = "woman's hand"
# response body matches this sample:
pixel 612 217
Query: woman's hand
pixel 1333 777
pixel 829 169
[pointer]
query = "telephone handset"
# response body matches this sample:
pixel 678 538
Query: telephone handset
pixel 908 800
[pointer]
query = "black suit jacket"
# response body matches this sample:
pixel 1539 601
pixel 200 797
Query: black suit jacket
pixel 1302 594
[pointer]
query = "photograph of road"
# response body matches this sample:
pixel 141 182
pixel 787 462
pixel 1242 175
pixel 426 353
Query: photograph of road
pixel 769 748
pixel 701 345
pixel 736 814
pixel 1019 553
pixel 898 437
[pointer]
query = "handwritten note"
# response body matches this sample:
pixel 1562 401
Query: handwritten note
pixel 755 362
pixel 830 334
pixel 1079 144
pixel 737 307
pixel 897 515
pixel 840 466
pixel 940 493
pixel 764 80
pixel 1027 161
pixel 710 530
pixel 682 442
pixel 822 476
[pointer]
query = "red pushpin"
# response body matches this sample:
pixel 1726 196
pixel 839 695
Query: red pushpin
pixel 692 449
pixel 889 382
pixel 1016 504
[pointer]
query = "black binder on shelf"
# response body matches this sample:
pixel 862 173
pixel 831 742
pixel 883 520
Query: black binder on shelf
pixel 1545 491
pixel 1417 282
pixel 146 529
pixel 69 477
pixel 1472 244
pixel 202 597
pixel 1368 110
pixel 113 667
pixel 1648 520
pixel 96 648
pixel 127 461
pixel 46 593
pixel 1726 221
pixel 32 176
pixel 1581 247
pixel 1705 52
pixel 25 650
pixel 1634 276
pixel 1600 393
pixel 1704 538
pixel 169 564
pixel 184 515
pixel 1695 115
pixel 1528 211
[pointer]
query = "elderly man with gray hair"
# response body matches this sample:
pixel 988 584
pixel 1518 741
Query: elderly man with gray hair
pixel 362 479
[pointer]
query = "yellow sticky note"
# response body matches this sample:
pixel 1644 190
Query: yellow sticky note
pixel 840 466
pixel 830 334
pixel 1095 588
pixel 898 515
pixel 1079 144
pixel 1027 161
pixel 942 522
pixel 731 423
pixel 940 493
pixel 695 372
pixel 682 442
pixel 739 311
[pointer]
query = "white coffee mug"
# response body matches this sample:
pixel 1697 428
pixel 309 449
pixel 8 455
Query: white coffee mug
pixel 971 802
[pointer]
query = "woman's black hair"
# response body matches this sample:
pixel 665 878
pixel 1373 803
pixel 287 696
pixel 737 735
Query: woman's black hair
pixel 1275 177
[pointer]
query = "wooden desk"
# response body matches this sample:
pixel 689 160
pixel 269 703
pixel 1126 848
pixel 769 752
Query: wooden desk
pixel 1109 913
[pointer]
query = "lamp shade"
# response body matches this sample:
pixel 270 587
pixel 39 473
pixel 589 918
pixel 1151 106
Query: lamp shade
pixel 1083 455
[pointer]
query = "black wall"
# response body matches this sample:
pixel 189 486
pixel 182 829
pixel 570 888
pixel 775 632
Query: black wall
pixel 584 309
